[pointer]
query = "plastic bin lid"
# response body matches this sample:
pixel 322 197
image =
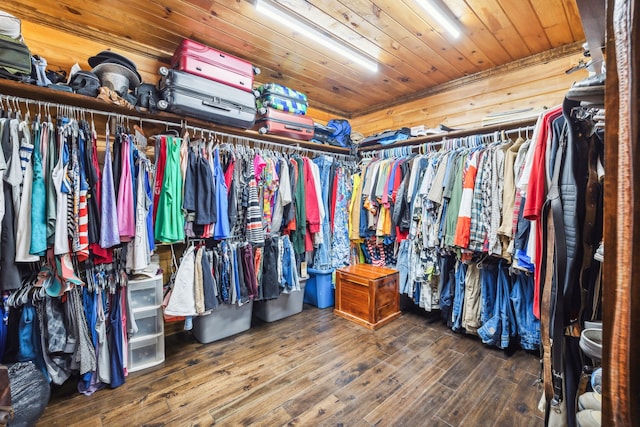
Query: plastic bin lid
pixel 318 271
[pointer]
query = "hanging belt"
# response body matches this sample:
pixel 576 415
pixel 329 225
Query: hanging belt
pixel 555 265
pixel 588 230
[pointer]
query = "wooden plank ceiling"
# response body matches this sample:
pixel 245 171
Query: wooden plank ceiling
pixel 414 54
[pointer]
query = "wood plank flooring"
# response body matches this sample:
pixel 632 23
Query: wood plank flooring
pixel 315 369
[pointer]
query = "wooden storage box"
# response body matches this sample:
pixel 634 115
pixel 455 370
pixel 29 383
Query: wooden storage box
pixel 367 295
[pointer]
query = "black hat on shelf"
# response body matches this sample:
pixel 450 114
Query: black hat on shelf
pixel 116 77
pixel 113 68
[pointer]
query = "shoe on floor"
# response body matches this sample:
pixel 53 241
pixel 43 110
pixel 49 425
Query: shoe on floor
pixel 590 400
pixel 589 418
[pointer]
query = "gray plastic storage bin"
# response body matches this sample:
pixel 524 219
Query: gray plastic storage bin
pixel 224 321
pixel 284 306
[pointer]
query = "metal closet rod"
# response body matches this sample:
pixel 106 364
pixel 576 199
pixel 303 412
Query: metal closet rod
pixel 407 150
pixel 233 139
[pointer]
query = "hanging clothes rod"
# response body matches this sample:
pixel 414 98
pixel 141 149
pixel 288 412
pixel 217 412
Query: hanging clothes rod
pixel 183 124
pixel 424 147
pixel 258 143
pixel 436 139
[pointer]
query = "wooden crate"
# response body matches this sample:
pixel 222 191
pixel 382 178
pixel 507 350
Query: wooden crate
pixel 367 295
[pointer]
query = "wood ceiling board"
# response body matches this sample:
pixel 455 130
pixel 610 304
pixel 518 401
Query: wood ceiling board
pixel 497 23
pixel 346 84
pixel 417 23
pixel 407 56
pixel 525 20
pixel 415 56
pixel 573 19
pixel 554 21
pixel 468 44
pixel 299 75
pixel 412 41
pixel 411 67
pixel 477 31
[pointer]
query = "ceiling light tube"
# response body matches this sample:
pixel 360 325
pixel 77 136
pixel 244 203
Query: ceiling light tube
pixel 293 23
pixel 438 14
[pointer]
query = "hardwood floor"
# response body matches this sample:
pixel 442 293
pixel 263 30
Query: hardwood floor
pixel 315 368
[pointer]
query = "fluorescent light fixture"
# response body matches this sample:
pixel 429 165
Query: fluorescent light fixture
pixel 290 21
pixel 437 13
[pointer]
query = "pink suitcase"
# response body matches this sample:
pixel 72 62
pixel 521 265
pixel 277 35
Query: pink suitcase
pixel 276 122
pixel 204 61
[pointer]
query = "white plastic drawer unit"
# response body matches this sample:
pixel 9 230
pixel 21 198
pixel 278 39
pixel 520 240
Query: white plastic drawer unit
pixel 149 321
pixel 145 292
pixel 145 352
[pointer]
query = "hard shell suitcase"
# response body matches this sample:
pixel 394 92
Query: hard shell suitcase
pixel 207 62
pixel 280 123
pixel 195 96
pixel 273 95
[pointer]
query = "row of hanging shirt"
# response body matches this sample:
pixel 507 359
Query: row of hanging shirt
pixel 269 201
pixel 464 201
pixel 62 202
pixel 235 191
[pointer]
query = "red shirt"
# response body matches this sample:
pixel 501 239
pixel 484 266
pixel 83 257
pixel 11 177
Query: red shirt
pixel 537 194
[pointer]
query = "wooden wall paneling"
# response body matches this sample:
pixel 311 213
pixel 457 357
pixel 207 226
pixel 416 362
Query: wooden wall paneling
pixel 540 85
pixel 531 30
pixel 554 22
pixel 46 41
pixel 621 283
pixel 610 403
pixel 414 53
pixel 499 25
pixel 391 53
pixel 480 102
pixel 92 20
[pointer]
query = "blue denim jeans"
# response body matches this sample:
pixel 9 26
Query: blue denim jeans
pixel 289 268
pixel 458 297
pixel 403 266
pixel 501 326
pixel 447 286
pixel 488 281
pixel 522 300
pixel 321 257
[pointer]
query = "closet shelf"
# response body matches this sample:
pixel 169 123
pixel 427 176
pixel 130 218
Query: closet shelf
pixel 43 94
pixel 480 130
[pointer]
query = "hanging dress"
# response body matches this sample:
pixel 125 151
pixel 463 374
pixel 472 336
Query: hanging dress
pixel 38 194
pixel 169 220
pixel 61 244
pixel 109 235
pixel 125 203
pixel 114 334
pixel 23 229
